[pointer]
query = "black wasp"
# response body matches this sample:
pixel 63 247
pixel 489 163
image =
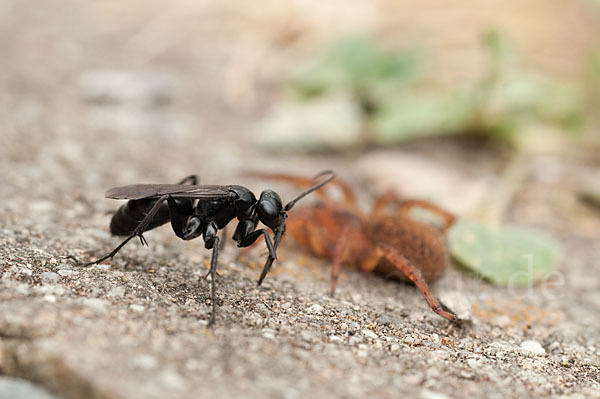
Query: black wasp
pixel 202 210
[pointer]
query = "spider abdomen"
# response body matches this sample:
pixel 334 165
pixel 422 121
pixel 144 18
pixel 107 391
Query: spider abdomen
pixel 423 245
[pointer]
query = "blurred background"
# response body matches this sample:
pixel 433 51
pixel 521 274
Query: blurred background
pixel 155 90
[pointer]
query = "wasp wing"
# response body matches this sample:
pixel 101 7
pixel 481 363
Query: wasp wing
pixel 148 191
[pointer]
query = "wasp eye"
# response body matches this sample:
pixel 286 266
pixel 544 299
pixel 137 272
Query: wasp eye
pixel 269 208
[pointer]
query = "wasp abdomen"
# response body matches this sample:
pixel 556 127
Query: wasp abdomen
pixel 129 216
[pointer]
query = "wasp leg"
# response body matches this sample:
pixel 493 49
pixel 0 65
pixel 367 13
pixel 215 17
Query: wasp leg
pixel 271 259
pixel 138 232
pixel 251 238
pixel 179 213
pixel 212 273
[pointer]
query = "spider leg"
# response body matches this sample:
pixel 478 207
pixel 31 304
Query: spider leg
pixel 383 251
pixel 382 207
pixel 191 179
pixel 312 237
pixel 383 203
pixel 349 198
pixel 338 256
pixel 449 219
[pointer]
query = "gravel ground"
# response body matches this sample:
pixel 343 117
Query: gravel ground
pixel 75 125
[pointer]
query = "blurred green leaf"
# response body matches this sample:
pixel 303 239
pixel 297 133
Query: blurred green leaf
pixel 594 65
pixel 329 122
pixel 397 103
pixel 497 46
pixel 503 255
pixel 354 64
pixel 415 115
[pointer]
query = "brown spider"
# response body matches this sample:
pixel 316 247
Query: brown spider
pixel 387 242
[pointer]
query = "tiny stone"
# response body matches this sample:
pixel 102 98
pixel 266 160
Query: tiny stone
pixel 116 292
pixel 427 394
pixel 501 321
pixel 65 273
pixel 50 298
pixel 49 278
pixel 136 308
pixel 261 308
pixel 306 336
pixel 353 327
pixel 387 320
pixel 369 333
pixel 555 346
pixel 533 347
pixel 413 379
pixel 354 340
pixel 95 304
pixel 145 361
pixel 315 309
pixel 172 380
pixel 466 375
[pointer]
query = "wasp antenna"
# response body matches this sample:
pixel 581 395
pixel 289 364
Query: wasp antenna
pixel 331 176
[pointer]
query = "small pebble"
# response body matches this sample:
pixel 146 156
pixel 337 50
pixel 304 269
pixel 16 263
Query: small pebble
pixel 315 309
pixel 136 308
pixel 65 273
pixel 50 298
pixel 387 320
pixel 95 304
pixel 427 394
pixel 369 333
pixel 353 327
pixel 116 292
pixel 49 278
pixel 145 361
pixel 533 347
